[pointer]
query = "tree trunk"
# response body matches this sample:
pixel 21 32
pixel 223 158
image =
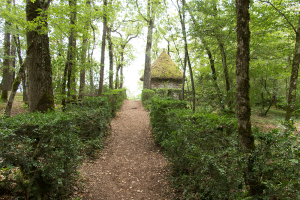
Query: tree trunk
pixel 147 69
pixel 117 77
pixel 294 76
pixel 15 87
pixel 6 62
pixel 225 70
pixel 20 76
pixel 40 90
pixel 83 56
pixel 214 75
pixel 70 63
pixel 243 110
pixel 111 60
pixel 182 20
pixel 103 47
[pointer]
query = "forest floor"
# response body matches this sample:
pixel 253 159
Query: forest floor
pixel 130 166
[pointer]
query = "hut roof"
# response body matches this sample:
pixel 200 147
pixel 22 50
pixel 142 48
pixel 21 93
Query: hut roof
pixel 164 68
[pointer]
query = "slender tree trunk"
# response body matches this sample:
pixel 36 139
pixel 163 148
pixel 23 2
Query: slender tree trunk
pixel 225 70
pixel 15 87
pixel 147 70
pixel 294 76
pixel 70 63
pixel 18 79
pixel 214 75
pixel 6 63
pixel 243 110
pixel 182 20
pixel 117 77
pixel 13 63
pixel 103 47
pixel 71 60
pixel 40 90
pixel 111 60
pixel 83 55
pixel 121 77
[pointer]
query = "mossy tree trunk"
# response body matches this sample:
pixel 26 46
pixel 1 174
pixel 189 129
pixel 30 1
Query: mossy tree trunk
pixel 40 90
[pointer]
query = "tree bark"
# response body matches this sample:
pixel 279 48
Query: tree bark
pixel 214 75
pixel 83 55
pixel 15 87
pixel 111 60
pixel 243 110
pixel 294 76
pixel 40 90
pixel 147 69
pixel 71 55
pixel 17 81
pixel 103 47
pixel 187 57
pixel 6 81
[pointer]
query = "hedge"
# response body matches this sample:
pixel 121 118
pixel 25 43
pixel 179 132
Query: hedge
pixel 40 153
pixel 208 162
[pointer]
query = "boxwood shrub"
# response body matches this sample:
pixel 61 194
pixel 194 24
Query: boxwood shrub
pixel 208 161
pixel 40 153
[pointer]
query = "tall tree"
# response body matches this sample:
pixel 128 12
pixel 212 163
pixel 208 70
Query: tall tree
pixel 40 90
pixel 243 110
pixel 181 11
pixel 105 10
pixel 69 72
pixel 84 52
pixel 149 18
pixel 6 81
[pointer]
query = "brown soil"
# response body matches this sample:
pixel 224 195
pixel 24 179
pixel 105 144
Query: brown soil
pixel 130 166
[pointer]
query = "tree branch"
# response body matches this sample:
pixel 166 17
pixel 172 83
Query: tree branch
pixel 138 8
pixel 288 21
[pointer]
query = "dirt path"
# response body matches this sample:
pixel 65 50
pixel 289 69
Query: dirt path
pixel 130 166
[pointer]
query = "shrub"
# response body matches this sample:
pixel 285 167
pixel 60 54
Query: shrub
pixel 158 117
pixel 115 99
pixel 40 153
pixel 208 162
pixel 146 97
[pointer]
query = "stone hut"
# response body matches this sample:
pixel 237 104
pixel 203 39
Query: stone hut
pixel 165 73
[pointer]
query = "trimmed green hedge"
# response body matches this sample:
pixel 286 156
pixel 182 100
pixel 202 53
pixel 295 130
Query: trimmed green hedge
pixel 146 98
pixel 208 162
pixel 115 99
pixel 40 153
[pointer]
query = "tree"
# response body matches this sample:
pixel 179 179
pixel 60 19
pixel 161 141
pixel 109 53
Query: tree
pixel 40 90
pixel 6 81
pixel 243 110
pixel 103 46
pixel 152 7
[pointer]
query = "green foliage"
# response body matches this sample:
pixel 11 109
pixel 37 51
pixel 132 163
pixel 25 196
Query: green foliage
pixel 40 153
pixel 115 99
pixel 146 97
pixel 208 162
pixel 158 118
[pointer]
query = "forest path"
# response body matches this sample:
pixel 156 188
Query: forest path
pixel 130 166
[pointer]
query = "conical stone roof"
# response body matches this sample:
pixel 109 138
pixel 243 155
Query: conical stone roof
pixel 164 68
